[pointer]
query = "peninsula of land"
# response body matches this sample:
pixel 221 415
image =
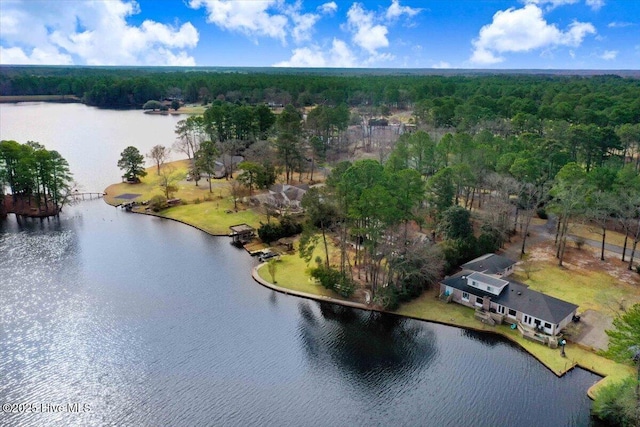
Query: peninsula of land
pixel 213 210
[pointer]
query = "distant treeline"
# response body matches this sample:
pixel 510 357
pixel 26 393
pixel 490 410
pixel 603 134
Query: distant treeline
pixel 448 100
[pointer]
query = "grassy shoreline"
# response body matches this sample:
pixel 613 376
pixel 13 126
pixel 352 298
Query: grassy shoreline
pixel 429 308
pixel 215 213
pixel 39 98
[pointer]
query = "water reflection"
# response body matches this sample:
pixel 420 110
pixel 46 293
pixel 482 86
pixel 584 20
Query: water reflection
pixel 486 338
pixel 154 323
pixel 365 343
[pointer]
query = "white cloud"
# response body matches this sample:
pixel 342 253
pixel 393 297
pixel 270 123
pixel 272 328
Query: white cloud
pixel 617 24
pixel 483 56
pixel 303 23
pixel 523 30
pixel 339 55
pixel 441 64
pixel 264 18
pixel 37 56
pixel 368 29
pixel 609 55
pixel 595 4
pixel 551 4
pixel 303 26
pixel 92 33
pixel 366 33
pixel 328 8
pixel 395 10
pixel 251 18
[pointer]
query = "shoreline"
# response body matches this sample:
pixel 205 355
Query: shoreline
pixel 573 348
pixel 187 109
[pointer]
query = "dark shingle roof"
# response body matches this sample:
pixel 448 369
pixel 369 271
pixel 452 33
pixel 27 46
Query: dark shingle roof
pixel 489 280
pixel 518 297
pixel 489 264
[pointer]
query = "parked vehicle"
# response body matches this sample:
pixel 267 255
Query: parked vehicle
pixel 268 254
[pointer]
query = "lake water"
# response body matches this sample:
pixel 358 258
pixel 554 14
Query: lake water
pixel 149 322
pixel 91 139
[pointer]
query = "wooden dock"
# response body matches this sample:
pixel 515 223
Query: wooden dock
pixel 87 196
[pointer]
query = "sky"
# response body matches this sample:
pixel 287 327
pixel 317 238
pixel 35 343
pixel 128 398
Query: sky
pixel 467 34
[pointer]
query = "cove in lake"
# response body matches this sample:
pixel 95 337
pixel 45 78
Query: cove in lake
pixel 151 322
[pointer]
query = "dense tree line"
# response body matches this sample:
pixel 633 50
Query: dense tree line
pixel 370 207
pixel 457 101
pixel 34 175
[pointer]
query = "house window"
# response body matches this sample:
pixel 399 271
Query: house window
pixel 465 296
pixel 489 288
pixel 547 325
pixel 512 313
pixel 527 319
pixel 501 309
pixel 479 301
pixel 474 283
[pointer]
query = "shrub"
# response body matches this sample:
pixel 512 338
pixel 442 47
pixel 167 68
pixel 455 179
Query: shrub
pixel 457 252
pixel 158 203
pixel 388 297
pixel 271 232
pixel 542 213
pixel 615 404
pixel 333 279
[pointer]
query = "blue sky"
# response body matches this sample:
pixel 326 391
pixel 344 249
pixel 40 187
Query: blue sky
pixel 491 34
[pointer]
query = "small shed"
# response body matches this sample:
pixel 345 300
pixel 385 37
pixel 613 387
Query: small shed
pixel 241 233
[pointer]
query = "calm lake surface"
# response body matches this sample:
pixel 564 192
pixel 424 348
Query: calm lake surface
pixel 91 139
pixel 150 322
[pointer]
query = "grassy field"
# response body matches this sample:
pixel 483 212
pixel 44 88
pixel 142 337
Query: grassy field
pixel 588 286
pixel 212 212
pixel 212 217
pixel 192 109
pixel 292 273
pixel 589 232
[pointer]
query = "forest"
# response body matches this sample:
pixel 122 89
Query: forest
pixel 468 186
pixel 459 101
pixel 520 144
pixel 423 172
pixel 39 180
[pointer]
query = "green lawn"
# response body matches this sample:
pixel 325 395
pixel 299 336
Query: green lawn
pixel 212 217
pixel 292 273
pixel 589 289
pixel 212 212
pixel 590 232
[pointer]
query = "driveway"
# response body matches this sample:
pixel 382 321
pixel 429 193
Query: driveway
pixel 590 330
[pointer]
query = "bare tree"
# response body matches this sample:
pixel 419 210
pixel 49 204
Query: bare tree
pixel 168 179
pixel 159 154
pixel 532 197
pixel 236 192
